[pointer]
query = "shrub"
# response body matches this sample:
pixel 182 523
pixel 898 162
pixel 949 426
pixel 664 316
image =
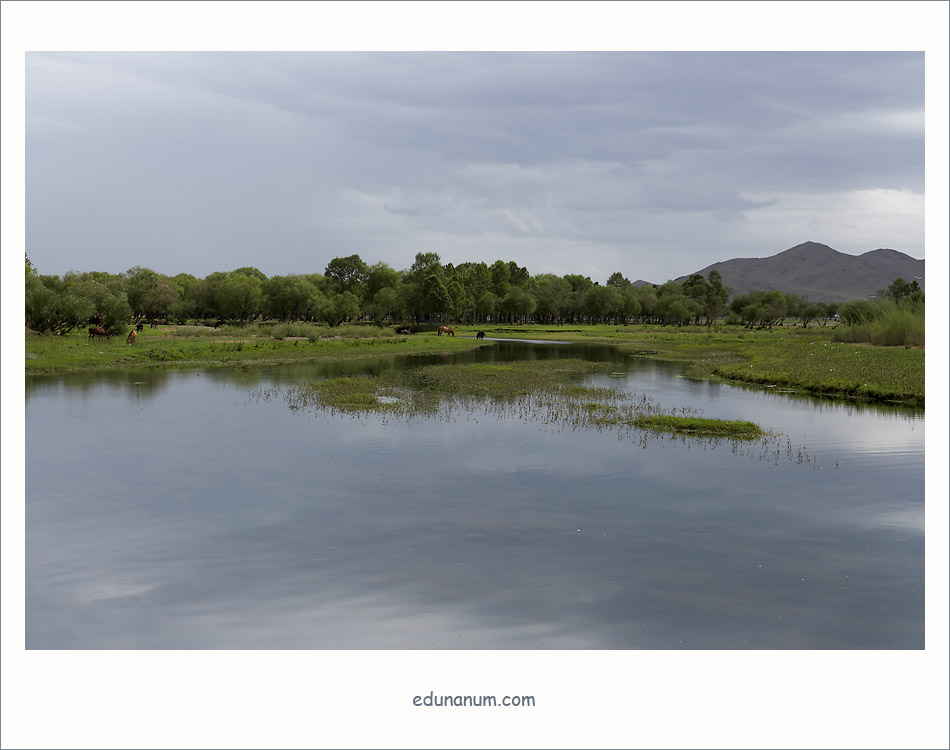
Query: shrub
pixel 883 323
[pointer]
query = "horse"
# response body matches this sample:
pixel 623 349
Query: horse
pixel 139 327
pixel 95 331
pixel 130 339
pixel 404 331
pixel 480 335
pixel 154 322
pixel 96 320
pixel 219 324
pixel 446 330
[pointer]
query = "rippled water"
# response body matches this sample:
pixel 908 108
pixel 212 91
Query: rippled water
pixel 176 510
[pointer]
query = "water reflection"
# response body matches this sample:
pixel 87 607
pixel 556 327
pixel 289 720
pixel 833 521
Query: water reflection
pixel 210 520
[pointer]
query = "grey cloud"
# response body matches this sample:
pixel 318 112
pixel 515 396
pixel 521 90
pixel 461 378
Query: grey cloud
pixel 213 160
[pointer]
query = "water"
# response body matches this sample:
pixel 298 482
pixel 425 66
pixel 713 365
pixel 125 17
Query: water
pixel 175 510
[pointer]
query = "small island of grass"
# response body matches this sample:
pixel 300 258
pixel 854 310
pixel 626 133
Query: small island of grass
pixel 700 426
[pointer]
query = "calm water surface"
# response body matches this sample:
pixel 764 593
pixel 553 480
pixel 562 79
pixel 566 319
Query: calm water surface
pixel 178 510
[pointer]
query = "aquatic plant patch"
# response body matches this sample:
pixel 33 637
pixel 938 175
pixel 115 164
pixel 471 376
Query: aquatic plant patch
pixel 701 426
pixel 544 391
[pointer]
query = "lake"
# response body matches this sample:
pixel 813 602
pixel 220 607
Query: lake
pixel 196 510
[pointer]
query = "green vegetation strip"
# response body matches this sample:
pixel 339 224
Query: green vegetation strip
pixel 807 360
pixel 700 426
pixel 201 346
pixel 546 391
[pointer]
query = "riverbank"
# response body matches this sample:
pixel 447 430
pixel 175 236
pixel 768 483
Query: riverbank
pixel 799 359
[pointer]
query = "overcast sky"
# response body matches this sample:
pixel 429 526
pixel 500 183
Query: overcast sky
pixel 651 164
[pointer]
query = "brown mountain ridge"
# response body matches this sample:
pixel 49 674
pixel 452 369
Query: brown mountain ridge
pixel 818 272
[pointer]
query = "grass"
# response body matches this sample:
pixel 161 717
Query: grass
pixel 423 389
pixel 807 360
pixel 700 426
pixel 891 324
pixel 203 346
pixel 549 391
pixel 829 368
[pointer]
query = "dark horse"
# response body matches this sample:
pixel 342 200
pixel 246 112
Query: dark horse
pixel 140 327
pixel 97 331
pixel 447 330
pixel 480 335
pixel 154 322
pixel 96 320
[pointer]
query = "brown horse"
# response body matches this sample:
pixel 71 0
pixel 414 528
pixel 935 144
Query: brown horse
pixel 154 322
pixel 447 330
pixel 97 331
pixel 130 339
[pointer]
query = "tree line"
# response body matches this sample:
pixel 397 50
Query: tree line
pixel 429 292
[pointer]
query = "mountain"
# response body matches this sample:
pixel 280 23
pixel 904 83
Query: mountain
pixel 818 272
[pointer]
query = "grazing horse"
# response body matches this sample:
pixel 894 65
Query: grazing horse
pixel 130 339
pixel 139 327
pixel 154 322
pixel 480 335
pixel 447 330
pixel 97 331
pixel 219 323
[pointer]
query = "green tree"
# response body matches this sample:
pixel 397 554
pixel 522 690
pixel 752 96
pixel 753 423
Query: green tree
pixel 250 271
pixel 517 275
pixel 602 303
pixel 810 312
pixel 240 296
pixel 487 307
pixel 435 298
pixel 552 294
pixel 290 298
pixel 500 278
pixel 475 279
pixel 517 303
pixel 646 296
pixel 187 302
pixel 347 274
pixel 618 281
pixel 461 307
pixel 717 297
pixel 149 293
pixel 385 305
pixel 759 309
pixel 900 290
pixel 343 307
pixel 380 276
pixel 629 304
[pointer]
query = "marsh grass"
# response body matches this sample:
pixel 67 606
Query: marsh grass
pixel 701 426
pixel 806 360
pixel 890 324
pixel 202 346
pixel 549 392
pixel 553 394
pixel 828 368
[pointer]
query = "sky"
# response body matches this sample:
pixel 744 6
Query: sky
pixel 654 164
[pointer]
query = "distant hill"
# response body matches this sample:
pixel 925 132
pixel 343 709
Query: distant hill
pixel 818 272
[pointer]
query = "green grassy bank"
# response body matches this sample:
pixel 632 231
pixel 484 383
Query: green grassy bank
pixel 202 346
pixel 806 360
